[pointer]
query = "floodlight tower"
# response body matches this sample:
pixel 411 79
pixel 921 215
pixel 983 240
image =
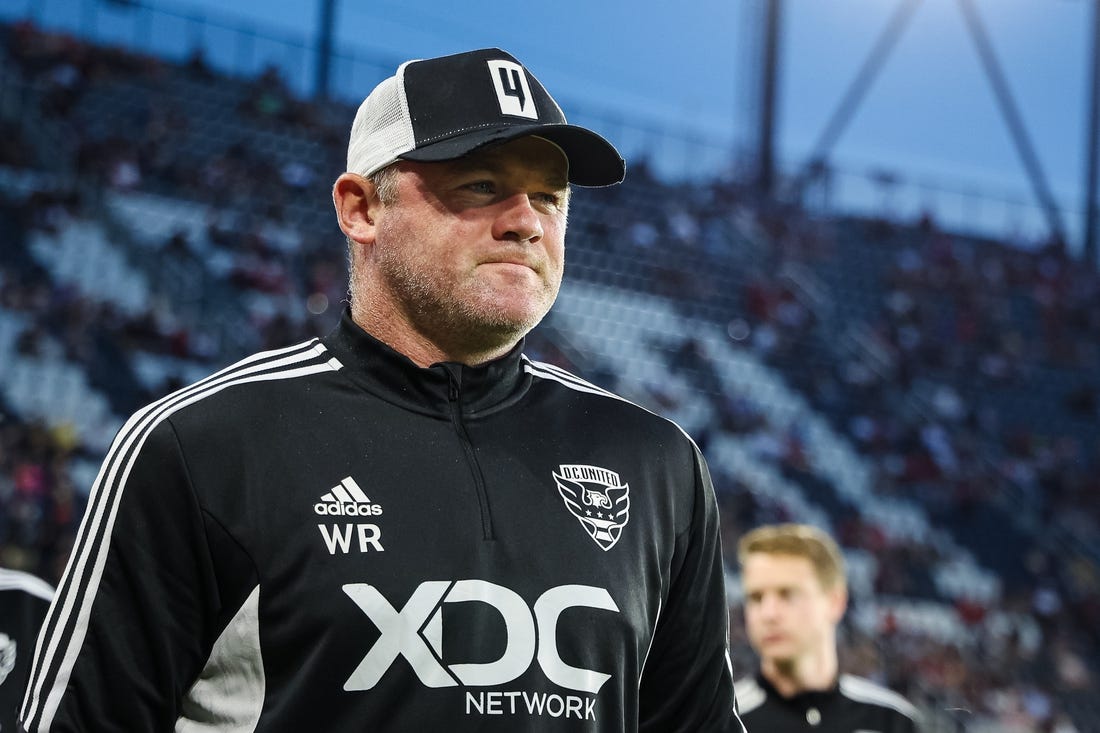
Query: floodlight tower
pixel 1093 125
pixel 769 94
pixel 327 10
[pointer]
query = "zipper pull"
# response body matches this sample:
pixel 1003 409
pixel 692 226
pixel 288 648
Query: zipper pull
pixel 452 384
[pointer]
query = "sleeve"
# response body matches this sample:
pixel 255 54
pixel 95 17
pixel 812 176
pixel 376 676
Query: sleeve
pixel 687 684
pixel 137 609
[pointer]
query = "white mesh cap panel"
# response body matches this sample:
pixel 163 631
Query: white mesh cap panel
pixel 382 129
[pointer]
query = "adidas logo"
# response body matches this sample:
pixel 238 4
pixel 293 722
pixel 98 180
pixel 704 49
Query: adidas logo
pixel 346 499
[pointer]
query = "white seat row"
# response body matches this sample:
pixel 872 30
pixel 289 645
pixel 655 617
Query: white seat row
pixel 11 325
pixel 57 392
pixel 82 256
pixel 153 220
pixel 153 370
pixel 942 622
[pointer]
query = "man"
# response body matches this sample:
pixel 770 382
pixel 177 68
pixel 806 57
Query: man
pixel 407 525
pixel 23 603
pixel 795 594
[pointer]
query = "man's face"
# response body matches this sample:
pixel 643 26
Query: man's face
pixel 788 614
pixel 471 252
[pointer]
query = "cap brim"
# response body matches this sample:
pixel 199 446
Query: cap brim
pixel 593 161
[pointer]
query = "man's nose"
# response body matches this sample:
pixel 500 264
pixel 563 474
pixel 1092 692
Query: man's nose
pixel 769 606
pixel 517 220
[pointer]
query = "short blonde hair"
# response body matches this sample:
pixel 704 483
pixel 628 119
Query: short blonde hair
pixel 385 182
pixel 798 540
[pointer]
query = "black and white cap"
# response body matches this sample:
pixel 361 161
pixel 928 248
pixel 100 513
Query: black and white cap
pixel 443 108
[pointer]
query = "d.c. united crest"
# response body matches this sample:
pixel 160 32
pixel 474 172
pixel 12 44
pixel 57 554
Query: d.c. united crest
pixel 597 498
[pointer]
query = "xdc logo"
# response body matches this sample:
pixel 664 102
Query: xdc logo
pixel 416 633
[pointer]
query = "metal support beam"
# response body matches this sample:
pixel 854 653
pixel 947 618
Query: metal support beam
pixel 1012 119
pixel 1093 127
pixel 324 47
pixel 769 90
pixel 853 97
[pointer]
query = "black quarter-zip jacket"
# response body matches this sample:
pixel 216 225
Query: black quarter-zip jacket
pixel 328 537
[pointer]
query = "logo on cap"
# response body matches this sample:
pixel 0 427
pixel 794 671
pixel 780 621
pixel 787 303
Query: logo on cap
pixel 513 92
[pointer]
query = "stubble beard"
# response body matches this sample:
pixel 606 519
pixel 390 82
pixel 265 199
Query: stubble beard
pixel 463 319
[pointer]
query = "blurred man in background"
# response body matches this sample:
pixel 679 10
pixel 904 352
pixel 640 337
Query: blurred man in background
pixel 795 594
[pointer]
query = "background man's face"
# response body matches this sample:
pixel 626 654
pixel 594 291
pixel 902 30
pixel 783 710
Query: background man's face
pixel 788 614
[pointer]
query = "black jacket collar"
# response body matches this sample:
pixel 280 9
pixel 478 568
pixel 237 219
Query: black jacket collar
pixel 800 700
pixel 394 377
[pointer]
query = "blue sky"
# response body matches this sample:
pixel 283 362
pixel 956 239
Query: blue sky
pixel 930 116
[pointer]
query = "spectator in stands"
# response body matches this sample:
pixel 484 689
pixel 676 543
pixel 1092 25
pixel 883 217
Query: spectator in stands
pixel 795 594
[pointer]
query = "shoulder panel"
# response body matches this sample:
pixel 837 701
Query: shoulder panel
pixel 864 690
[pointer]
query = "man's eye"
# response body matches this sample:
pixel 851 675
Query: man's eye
pixel 549 199
pixel 481 187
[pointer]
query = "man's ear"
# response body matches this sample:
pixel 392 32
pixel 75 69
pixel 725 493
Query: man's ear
pixel 357 207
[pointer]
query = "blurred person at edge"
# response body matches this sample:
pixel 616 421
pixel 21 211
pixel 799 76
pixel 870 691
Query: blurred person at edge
pixel 795 594
pixel 24 599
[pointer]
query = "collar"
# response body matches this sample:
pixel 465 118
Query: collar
pixel 394 377
pixel 800 700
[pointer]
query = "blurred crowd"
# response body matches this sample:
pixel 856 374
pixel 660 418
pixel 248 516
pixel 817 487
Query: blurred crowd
pixel 956 331
pixel 954 328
